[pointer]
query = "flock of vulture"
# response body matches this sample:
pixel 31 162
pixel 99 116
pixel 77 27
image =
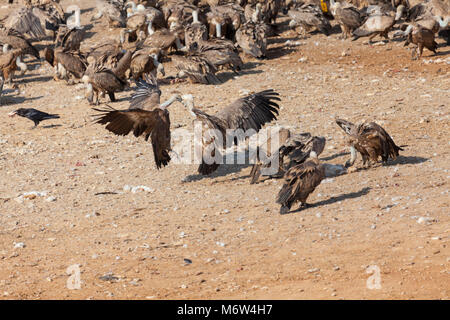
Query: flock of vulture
pixel 202 37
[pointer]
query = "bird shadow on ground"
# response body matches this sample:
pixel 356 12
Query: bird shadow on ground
pixel 227 75
pixel 334 156
pixel 281 40
pixel 278 52
pixel 442 53
pixel 405 160
pixel 7 101
pixel 35 79
pixel 223 170
pixel 51 126
pixel 342 197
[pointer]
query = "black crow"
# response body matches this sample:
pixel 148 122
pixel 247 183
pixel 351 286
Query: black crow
pixel 34 115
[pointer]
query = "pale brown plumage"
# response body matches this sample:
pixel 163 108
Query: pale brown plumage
pixel 370 140
pixel 145 117
pixel 26 22
pixel 300 181
pixel 248 114
pixel 348 17
pixel 17 41
pixel 252 38
pixel 144 62
pixel 309 17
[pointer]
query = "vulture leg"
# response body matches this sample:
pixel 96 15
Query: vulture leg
pixel 111 96
pixel 2 81
pixel 285 208
pixel 420 50
pixel 352 159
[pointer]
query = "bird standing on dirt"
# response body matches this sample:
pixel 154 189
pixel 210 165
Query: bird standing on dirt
pixel 300 181
pixel 34 115
pixel 370 140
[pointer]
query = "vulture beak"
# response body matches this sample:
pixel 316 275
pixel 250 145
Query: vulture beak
pixel 12 114
pixel 345 125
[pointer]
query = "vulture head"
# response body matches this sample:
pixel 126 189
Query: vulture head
pixel 401 9
pixel 188 101
pixel 345 125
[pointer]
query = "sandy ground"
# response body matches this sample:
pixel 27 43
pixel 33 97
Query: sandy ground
pixel 393 219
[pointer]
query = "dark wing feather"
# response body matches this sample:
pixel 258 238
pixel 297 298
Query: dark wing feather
pixel 251 112
pixel 154 124
pixel 147 95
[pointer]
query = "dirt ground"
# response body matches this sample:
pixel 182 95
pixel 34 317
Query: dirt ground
pixel 393 219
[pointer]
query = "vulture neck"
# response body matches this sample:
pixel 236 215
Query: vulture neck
pixel 195 16
pixel 5 48
pixel 171 100
pixel 76 16
pixel 218 30
pixel 21 65
pixel 150 29
pixel 133 5
pixel 443 23
pixel 256 14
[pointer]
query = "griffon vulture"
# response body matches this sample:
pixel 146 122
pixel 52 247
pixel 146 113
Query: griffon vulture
pixel 248 113
pixel 300 181
pixel 146 116
pixel 370 140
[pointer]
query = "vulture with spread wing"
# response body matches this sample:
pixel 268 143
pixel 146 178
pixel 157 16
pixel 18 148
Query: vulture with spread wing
pixel 245 115
pixel 300 181
pixel 370 140
pixel 146 117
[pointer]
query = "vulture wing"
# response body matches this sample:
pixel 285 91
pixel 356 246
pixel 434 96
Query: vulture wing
pixel 147 95
pixel 154 124
pixel 24 21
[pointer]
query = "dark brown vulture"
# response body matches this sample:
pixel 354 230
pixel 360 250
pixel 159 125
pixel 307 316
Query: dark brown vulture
pixel 196 31
pixel 101 80
pixel 300 181
pixel 248 114
pixel 65 63
pixel 220 52
pixel 295 149
pixel 197 68
pixel 69 39
pixel 144 62
pixel 421 37
pixel 146 116
pixel 370 140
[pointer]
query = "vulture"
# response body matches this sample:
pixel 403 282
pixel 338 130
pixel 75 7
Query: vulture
pixel 69 39
pixel 152 15
pixel 370 140
pixel 225 20
pixel 163 39
pixel 8 64
pixel 144 62
pixel 308 17
pixel 146 116
pixel 378 25
pixel 421 37
pixel 100 80
pixel 66 63
pixel 196 31
pixel 299 182
pixel 112 10
pixel 252 38
pixel 16 40
pixel 197 68
pixel 293 150
pixel 348 17
pixel 247 114
pixel 220 52
pixel 24 21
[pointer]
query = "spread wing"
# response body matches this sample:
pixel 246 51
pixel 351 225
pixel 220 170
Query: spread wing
pixel 154 124
pixel 251 112
pixel 147 95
